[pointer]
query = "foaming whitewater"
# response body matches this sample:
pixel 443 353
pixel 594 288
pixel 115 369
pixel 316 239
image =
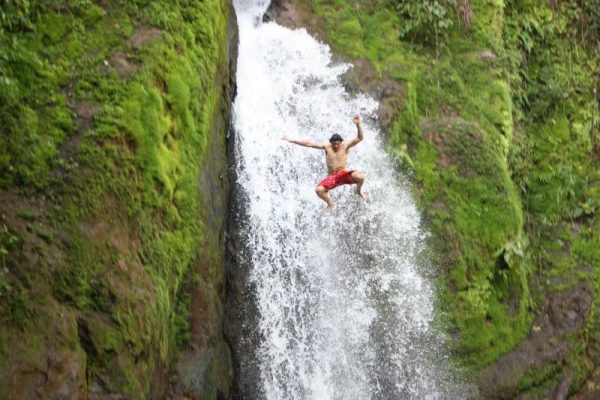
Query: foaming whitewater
pixel 344 309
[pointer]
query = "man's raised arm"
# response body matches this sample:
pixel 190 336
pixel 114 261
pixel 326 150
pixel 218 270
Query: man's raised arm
pixel 305 143
pixel 359 131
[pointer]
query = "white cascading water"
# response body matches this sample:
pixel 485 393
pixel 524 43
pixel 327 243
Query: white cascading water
pixel 345 308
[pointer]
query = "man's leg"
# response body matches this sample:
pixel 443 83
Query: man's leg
pixel 359 179
pixel 322 193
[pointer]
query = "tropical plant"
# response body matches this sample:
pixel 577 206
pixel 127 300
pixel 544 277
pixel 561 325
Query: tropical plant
pixel 585 208
pixel 427 21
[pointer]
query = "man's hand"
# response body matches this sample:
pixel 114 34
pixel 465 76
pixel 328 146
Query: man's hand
pixel 287 139
pixel 359 131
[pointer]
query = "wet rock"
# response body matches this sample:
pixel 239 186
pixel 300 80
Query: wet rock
pixel 241 306
pixel 204 369
pixel 562 390
pixel 194 376
pixel 362 77
pixel 291 15
pixel 562 314
pixel 590 390
pixel 65 375
pixel 274 10
pixel 61 375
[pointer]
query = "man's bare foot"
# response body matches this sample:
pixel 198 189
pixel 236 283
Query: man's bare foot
pixel 327 209
pixel 362 195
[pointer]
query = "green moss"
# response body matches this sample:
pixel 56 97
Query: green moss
pixel 487 23
pixel 52 26
pixel 472 203
pixel 538 380
pixel 122 226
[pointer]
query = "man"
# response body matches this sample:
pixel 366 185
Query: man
pixel 336 154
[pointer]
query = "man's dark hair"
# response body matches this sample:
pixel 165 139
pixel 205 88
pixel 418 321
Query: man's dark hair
pixel 335 138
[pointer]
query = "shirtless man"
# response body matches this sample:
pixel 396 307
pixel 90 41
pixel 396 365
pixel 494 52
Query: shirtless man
pixel 336 154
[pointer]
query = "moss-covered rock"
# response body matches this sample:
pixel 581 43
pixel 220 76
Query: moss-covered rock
pixel 114 121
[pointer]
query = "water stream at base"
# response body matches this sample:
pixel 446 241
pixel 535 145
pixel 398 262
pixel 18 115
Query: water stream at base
pixel 344 306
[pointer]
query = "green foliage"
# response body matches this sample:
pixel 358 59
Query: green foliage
pixel 514 257
pixel 17 14
pixel 585 208
pixel 366 29
pixel 553 62
pixel 19 308
pixel 550 76
pixel 77 281
pixel 14 301
pixel 428 21
pixel 479 221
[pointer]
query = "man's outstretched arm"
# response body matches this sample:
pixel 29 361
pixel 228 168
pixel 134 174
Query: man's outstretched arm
pixel 305 143
pixel 359 131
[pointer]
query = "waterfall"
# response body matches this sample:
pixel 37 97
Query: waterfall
pixel 343 303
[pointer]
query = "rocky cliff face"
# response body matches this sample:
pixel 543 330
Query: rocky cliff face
pixel 113 199
pixel 496 118
pixel 204 369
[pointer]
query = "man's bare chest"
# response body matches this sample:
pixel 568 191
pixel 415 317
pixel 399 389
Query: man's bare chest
pixel 336 156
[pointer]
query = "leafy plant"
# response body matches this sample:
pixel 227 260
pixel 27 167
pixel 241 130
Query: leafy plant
pixel 513 256
pixel 585 208
pixel 427 20
pixel 511 251
pixel 16 14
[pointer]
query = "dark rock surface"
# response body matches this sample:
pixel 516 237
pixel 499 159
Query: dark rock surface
pixel 590 390
pixel 240 308
pixel 388 92
pixel 561 314
pixel 292 15
pixel 241 311
pixel 204 369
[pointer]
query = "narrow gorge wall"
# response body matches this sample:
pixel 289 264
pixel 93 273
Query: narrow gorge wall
pixel 113 198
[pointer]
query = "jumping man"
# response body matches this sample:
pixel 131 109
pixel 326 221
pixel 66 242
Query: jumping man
pixel 336 154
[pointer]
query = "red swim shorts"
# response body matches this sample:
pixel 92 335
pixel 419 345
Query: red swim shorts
pixel 343 177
